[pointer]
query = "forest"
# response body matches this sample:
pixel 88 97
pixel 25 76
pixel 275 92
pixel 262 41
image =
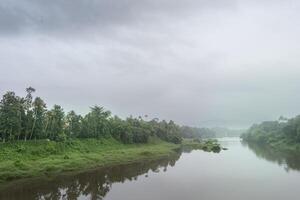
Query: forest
pixel 27 118
pixel 283 133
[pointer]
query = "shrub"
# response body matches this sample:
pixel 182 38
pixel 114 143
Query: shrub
pixel 21 149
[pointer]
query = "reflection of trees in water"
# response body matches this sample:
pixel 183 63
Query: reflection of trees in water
pixel 93 184
pixel 289 160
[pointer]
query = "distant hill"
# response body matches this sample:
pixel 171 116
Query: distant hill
pixel 226 132
pixel 195 132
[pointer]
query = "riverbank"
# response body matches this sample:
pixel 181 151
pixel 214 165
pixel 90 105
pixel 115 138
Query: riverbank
pixel 38 158
pixel 44 158
pixel 282 144
pixel 281 135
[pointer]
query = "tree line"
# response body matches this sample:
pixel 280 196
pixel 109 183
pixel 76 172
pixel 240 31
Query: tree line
pixel 28 118
pixel 283 130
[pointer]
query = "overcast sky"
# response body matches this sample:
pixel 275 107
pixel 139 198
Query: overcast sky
pixel 199 62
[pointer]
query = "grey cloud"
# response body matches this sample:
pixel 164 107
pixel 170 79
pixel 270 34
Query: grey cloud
pixel 77 15
pixel 201 63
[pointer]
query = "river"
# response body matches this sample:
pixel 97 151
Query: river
pixel 243 172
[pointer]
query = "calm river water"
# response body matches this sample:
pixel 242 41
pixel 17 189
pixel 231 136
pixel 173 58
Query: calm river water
pixel 243 172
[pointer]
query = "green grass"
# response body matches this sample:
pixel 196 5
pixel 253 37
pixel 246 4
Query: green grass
pixel 45 158
pixel 40 158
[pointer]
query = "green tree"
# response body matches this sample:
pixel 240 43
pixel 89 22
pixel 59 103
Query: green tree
pixel 97 122
pixel 39 109
pixel 10 116
pixel 56 126
pixel 73 124
pixel 28 118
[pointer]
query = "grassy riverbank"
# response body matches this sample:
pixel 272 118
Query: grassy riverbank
pixel 43 158
pixel 30 159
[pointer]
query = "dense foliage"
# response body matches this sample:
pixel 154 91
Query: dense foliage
pixel 27 118
pixel 284 130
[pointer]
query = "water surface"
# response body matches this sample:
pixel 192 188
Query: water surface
pixel 243 172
